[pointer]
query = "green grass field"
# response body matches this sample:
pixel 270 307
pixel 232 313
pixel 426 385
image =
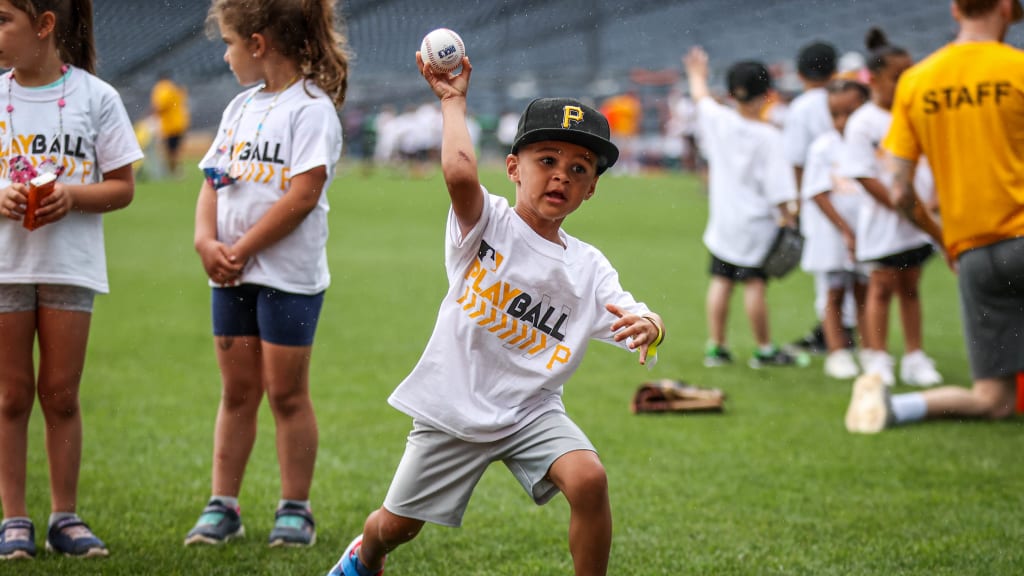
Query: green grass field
pixel 772 486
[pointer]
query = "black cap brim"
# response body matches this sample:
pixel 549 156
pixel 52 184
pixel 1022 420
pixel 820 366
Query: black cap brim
pixel 607 153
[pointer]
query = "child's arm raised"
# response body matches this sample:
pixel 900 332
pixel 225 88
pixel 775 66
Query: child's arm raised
pixel 458 160
pixel 696 63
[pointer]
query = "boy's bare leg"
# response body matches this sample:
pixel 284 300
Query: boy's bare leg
pixel 717 306
pixel 581 477
pixel 756 305
pixel 382 533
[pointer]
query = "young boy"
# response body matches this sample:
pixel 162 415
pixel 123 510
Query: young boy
pixel 524 300
pixel 751 183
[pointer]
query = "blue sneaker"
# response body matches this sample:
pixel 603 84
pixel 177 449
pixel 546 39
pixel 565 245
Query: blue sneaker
pixel 346 565
pixel 217 524
pixel 72 537
pixel 293 526
pixel 17 539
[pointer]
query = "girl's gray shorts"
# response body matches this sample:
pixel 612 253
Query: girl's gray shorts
pixel 26 297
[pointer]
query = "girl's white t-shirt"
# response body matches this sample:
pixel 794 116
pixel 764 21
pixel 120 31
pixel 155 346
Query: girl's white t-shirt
pixel 881 232
pixel 515 324
pixel 301 131
pixel 98 138
pixel 824 249
pixel 808 118
pixel 749 176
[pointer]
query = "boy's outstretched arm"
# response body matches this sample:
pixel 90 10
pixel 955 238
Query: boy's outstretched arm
pixel 647 331
pixel 458 160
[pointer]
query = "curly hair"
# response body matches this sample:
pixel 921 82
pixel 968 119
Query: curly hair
pixel 305 31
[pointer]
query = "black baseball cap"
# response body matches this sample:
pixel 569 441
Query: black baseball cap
pixel 748 80
pixel 567 120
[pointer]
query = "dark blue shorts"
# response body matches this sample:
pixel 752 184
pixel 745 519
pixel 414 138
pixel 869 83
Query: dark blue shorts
pixel 277 317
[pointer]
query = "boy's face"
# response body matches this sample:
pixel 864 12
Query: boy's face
pixel 552 179
pixel 841 105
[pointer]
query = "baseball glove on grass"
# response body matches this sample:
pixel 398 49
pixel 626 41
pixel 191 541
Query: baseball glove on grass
pixel 676 396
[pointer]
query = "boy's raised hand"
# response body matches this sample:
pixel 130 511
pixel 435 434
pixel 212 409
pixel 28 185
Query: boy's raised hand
pixel 642 329
pixel 696 62
pixel 446 84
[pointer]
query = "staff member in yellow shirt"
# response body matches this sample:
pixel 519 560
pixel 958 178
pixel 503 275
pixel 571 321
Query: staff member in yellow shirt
pixel 170 105
pixel 963 108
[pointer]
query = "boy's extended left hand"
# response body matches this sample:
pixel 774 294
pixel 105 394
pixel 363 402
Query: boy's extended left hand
pixel 642 331
pixel 446 84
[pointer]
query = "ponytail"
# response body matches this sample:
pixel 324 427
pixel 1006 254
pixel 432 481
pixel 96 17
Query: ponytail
pixel 879 50
pixel 72 29
pixel 324 55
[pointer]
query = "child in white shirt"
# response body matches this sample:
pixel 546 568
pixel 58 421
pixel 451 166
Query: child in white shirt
pixel 895 247
pixel 524 300
pixel 750 186
pixel 830 237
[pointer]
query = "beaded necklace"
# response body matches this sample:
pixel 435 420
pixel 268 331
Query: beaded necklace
pixel 20 166
pixel 235 171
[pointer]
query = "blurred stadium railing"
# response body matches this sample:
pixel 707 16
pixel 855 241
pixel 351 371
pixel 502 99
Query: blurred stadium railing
pixel 520 48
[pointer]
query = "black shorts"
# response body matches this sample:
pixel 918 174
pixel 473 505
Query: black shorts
pixel 913 258
pixel 991 282
pixel 733 272
pixel 173 142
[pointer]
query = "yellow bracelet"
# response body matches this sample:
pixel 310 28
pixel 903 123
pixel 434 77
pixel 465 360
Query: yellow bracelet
pixel 652 348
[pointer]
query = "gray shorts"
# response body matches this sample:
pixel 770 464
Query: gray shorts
pixel 27 297
pixel 992 306
pixel 438 472
pixel 847 279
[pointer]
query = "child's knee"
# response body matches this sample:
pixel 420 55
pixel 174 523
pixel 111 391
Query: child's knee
pixel 62 405
pixel 587 483
pixel 390 529
pixel 16 401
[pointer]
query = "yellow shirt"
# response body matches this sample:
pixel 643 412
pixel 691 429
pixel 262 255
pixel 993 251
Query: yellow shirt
pixel 170 103
pixel 963 108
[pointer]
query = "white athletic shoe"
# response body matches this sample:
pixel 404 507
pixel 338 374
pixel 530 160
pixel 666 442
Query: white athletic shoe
pixel 840 364
pixel 878 362
pixel 917 369
pixel 869 411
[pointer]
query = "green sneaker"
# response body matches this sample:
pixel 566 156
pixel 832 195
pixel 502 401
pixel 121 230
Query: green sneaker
pixel 715 355
pixel 779 357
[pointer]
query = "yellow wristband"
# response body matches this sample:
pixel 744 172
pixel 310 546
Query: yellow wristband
pixel 652 348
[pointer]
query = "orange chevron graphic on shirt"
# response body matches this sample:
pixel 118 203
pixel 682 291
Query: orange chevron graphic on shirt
pixel 523 322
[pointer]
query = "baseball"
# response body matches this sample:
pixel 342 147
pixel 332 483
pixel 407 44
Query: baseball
pixel 443 50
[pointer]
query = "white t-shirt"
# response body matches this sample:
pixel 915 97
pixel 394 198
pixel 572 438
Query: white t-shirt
pixel 98 138
pixel 300 132
pixel 824 249
pixel 807 119
pixel 749 177
pixel 880 231
pixel 513 327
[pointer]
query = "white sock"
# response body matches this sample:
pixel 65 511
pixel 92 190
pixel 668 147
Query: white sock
pixel 229 501
pixel 300 503
pixel 6 520
pixel 58 516
pixel 910 407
